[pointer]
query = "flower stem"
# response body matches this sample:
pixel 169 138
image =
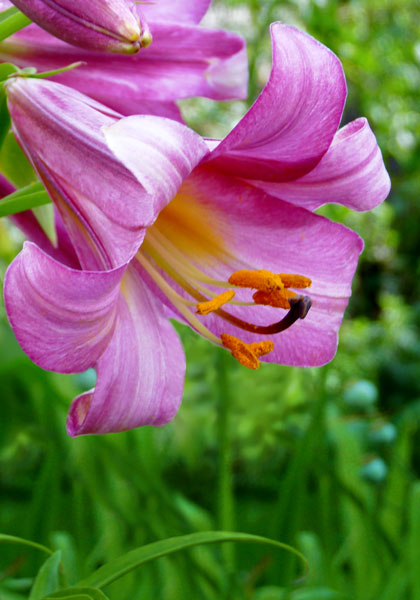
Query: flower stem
pixel 11 21
pixel 225 499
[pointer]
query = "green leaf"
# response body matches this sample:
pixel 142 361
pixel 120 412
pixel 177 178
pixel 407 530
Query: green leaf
pixel 72 597
pixel 414 539
pixel 47 579
pixel 7 69
pixel 126 563
pixel 11 539
pixel 28 197
pixel 11 21
pixel 77 593
pixel 13 163
pixel 45 216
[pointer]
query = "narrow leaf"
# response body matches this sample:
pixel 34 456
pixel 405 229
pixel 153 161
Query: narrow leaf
pixel 126 563
pixel 414 540
pixel 78 593
pixel 13 163
pixel 5 70
pixel 47 579
pixel 11 539
pixel 5 14
pixel 28 197
pixel 73 597
pixel 11 21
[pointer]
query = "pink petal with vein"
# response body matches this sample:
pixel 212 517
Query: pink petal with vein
pixel 62 318
pixel 352 173
pixel 60 130
pixel 182 61
pixel 177 11
pixel 141 373
pixel 160 153
pixel 292 123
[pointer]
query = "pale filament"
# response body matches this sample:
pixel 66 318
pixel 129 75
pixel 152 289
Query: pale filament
pixel 176 264
pixel 177 300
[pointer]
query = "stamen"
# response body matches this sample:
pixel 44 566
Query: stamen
pixel 292 316
pixel 157 243
pixel 261 348
pixel 278 299
pixel 246 354
pixel 176 299
pixel 205 308
pixel 295 281
pixel 262 280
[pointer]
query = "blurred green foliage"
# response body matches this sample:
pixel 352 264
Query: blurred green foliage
pixel 324 459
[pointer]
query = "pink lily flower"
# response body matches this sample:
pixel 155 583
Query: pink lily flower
pixel 105 25
pixel 184 60
pixel 228 242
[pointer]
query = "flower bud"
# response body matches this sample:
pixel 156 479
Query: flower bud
pixel 106 25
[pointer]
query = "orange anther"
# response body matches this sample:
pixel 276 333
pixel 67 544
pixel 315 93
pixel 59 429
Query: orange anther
pixel 246 354
pixel 295 281
pixel 261 348
pixel 259 280
pixel 205 308
pixel 278 299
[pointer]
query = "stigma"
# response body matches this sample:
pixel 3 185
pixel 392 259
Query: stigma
pixel 186 288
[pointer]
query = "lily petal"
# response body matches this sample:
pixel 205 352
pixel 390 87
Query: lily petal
pixel 177 11
pixel 252 230
pixel 160 153
pixel 291 125
pixel 352 173
pixel 131 106
pixel 60 131
pixel 182 61
pixel 62 318
pixel 141 373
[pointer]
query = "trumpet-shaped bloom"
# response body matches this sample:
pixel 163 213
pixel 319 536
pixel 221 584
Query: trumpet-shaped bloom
pixel 218 246
pixel 184 60
pixel 110 25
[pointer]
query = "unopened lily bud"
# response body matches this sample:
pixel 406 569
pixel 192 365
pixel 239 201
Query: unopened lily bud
pixel 106 25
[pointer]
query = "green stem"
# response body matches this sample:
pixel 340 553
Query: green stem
pixel 225 499
pixel 11 21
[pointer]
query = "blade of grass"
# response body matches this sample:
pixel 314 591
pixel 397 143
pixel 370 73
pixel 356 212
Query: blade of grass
pixel 47 579
pixel 11 21
pixel 126 563
pixel 11 539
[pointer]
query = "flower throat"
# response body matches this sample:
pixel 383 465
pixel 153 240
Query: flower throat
pixel 166 264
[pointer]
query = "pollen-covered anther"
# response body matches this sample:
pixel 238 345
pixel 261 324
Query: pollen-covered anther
pixel 262 280
pixel 295 281
pixel 205 308
pixel 278 299
pixel 247 354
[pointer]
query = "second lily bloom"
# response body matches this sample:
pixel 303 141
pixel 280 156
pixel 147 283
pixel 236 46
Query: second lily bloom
pixel 184 59
pixel 219 234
